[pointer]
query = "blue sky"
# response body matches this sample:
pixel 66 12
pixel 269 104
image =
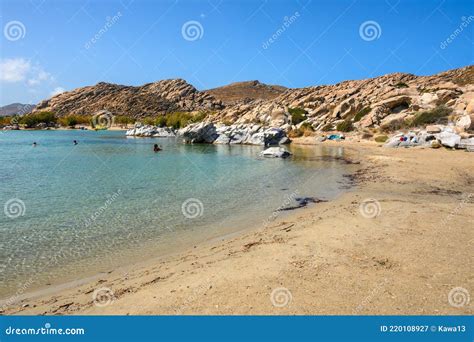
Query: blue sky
pixel 51 46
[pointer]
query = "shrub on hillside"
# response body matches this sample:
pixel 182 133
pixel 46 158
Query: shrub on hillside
pixel 437 115
pixel 306 129
pixel 360 114
pixel 297 115
pixel 345 126
pixel 73 120
pixel 328 127
pixel 33 119
pixel 401 85
pixel 124 120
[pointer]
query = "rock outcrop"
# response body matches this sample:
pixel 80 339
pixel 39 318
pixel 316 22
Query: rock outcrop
pixel 140 130
pixel 251 135
pixel 148 100
pixel 204 132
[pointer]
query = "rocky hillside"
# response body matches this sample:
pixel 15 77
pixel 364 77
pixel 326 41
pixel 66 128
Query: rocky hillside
pixel 148 100
pixel 388 101
pixel 382 101
pixel 246 91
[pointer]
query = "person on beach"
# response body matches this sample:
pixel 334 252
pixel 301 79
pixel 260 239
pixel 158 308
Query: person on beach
pixel 156 148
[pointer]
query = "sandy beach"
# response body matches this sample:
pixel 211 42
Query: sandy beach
pixel 397 243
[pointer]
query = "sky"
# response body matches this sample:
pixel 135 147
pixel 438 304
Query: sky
pixel 52 46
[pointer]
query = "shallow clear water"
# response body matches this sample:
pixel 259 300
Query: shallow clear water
pixel 110 201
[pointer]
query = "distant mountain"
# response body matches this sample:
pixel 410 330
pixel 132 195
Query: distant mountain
pixel 249 90
pixel 16 108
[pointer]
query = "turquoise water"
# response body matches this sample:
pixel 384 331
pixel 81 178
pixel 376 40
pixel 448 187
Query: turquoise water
pixel 76 210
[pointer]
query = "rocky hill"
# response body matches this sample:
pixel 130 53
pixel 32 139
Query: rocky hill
pixel 246 91
pixel 380 101
pixel 385 101
pixel 148 100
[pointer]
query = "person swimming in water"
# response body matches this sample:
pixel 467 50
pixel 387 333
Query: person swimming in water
pixel 75 142
pixel 156 148
pixel 34 144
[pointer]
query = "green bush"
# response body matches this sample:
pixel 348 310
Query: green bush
pixel 4 120
pixel 198 117
pixel 401 85
pixel 345 126
pixel 32 119
pixel 360 114
pixel 175 120
pixel 124 120
pixel 436 115
pixel 297 115
pixel 306 129
pixel 73 120
pixel 149 121
pixel 327 128
pixel 395 125
pixel 160 121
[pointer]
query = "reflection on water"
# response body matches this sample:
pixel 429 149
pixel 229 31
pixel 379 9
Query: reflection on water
pixel 111 201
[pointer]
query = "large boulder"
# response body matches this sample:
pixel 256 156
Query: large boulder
pixel 251 135
pixel 429 100
pixel 449 139
pixel 150 131
pixel 466 122
pixel 269 136
pixel 275 152
pixel 470 107
pixel 204 132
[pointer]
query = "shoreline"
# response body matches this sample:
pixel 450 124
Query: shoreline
pixel 329 258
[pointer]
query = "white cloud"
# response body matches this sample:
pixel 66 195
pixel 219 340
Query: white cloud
pixel 39 76
pixel 57 91
pixel 14 70
pixel 20 69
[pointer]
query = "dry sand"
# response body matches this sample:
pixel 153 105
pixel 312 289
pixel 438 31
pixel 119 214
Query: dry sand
pixel 325 259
